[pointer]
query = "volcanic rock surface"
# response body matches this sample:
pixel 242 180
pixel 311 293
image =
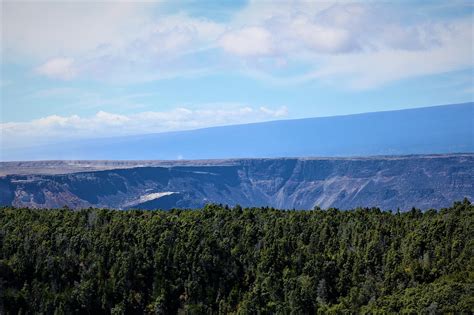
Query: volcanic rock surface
pixel 391 182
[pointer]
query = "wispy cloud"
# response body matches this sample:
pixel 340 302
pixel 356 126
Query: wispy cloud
pixel 359 46
pixel 250 41
pixel 366 44
pixel 40 30
pixel 58 68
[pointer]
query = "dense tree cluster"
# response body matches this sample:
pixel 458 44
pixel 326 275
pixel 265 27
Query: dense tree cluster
pixel 219 260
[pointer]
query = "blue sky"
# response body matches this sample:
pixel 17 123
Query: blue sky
pixel 90 69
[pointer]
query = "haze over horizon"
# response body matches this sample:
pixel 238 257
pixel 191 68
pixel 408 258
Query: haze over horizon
pixel 74 70
pixel 428 130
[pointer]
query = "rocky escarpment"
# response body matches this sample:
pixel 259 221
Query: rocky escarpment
pixel 386 182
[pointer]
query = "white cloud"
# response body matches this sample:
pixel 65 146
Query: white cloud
pixel 177 34
pixel 365 44
pixel 250 41
pixel 110 119
pixel 200 28
pixel 257 11
pixel 104 124
pixel 300 27
pixel 279 112
pixel 452 51
pixel 360 46
pixel 46 29
pixel 161 48
pixel 58 68
pixel 319 38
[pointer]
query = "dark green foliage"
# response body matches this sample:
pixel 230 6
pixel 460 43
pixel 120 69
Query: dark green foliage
pixel 220 260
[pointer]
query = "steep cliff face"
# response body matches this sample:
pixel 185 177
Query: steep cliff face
pixel 386 182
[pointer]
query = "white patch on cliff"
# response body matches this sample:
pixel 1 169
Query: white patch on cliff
pixel 148 197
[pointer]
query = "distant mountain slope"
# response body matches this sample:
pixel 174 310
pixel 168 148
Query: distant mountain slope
pixel 440 129
pixel 387 182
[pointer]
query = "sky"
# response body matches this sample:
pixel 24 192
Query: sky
pixel 78 69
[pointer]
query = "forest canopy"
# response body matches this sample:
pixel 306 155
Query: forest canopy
pixel 220 260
